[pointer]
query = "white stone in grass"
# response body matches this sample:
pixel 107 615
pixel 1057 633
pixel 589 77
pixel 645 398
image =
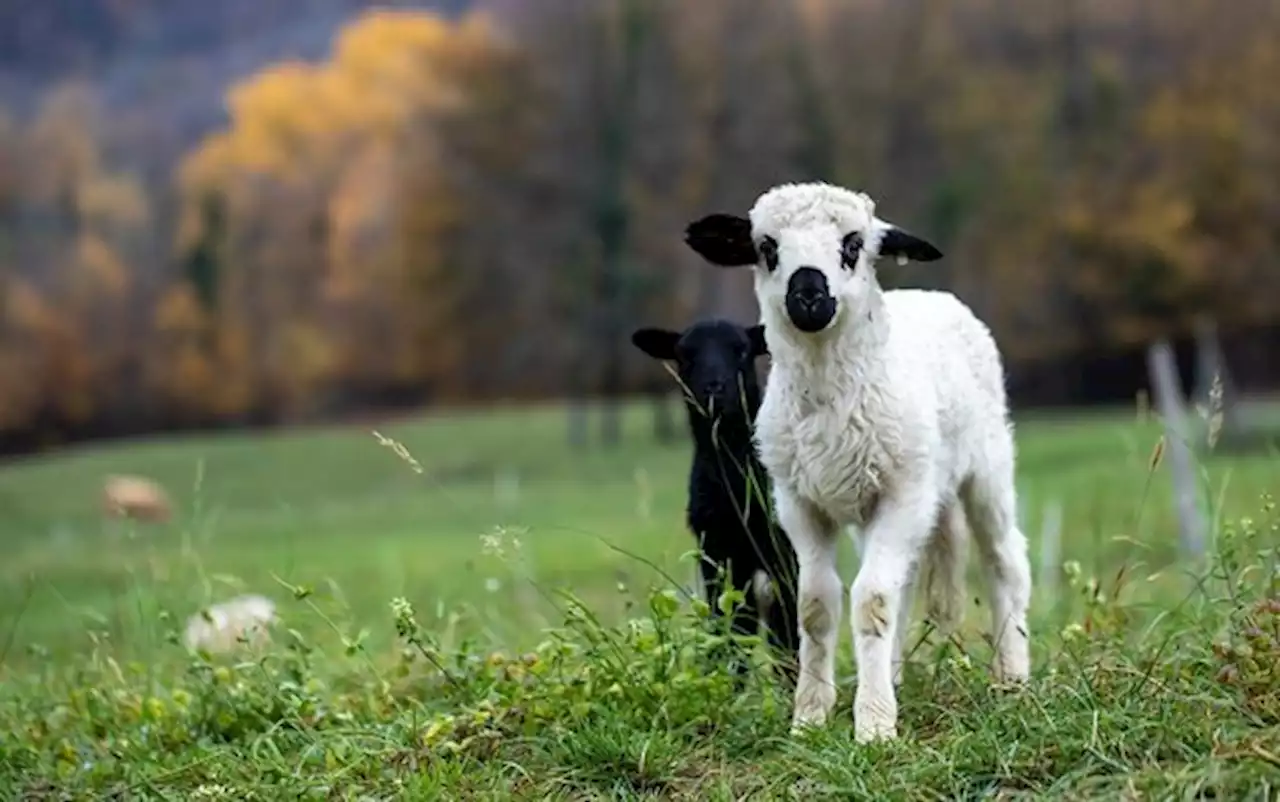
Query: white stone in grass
pixel 222 627
pixel 136 498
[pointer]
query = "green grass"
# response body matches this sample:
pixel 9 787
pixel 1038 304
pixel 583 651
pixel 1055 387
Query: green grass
pixel 613 696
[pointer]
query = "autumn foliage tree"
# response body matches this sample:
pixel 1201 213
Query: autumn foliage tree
pixel 480 207
pixel 73 230
pixel 331 220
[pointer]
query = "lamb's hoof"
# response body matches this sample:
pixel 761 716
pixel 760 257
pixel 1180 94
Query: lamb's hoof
pixel 875 718
pixel 800 725
pixel 810 716
pixel 1009 684
pixel 1010 674
pixel 868 728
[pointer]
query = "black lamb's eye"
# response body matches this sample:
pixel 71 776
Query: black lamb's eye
pixel 850 248
pixel 769 252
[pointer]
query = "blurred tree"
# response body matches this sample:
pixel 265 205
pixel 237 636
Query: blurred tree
pixel 203 259
pixel 483 207
pixel 591 60
pixel 628 24
pixel 26 322
pixel 318 162
pixel 1187 228
pixel 74 226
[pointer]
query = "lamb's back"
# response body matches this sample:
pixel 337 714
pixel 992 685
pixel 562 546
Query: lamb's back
pixel 947 355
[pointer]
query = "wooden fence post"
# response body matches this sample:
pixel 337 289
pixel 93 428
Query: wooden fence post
pixel 1166 388
pixel 1050 548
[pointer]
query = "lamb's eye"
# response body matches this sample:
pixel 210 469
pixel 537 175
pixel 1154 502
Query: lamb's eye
pixel 850 248
pixel 769 253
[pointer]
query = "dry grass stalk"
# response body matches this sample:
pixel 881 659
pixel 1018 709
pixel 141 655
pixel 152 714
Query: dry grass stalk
pixel 399 450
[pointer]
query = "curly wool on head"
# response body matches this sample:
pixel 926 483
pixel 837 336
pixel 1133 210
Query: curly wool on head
pixel 885 411
pixel 797 205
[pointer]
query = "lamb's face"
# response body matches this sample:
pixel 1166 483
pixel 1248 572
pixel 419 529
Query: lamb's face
pixel 813 247
pixel 715 360
pixel 811 243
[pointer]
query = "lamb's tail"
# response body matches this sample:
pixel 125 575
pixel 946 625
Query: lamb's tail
pixel 944 568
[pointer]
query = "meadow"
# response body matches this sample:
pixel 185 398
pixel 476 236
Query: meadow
pixel 487 614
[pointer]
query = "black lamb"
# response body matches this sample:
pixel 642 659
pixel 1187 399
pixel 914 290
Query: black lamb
pixel 728 509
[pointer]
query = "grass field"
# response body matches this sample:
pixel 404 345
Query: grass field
pixel 604 693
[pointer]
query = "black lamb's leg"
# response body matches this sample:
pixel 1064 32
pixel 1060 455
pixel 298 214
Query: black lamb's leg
pixel 745 619
pixel 712 582
pixel 784 629
pixel 783 617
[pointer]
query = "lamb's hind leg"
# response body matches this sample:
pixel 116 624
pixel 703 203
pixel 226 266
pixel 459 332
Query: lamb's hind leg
pixel 819 606
pixel 783 622
pixel 903 624
pixel 943 569
pixel 990 501
pixel 941 573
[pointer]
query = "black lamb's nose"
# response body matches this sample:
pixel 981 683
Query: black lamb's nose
pixel 715 387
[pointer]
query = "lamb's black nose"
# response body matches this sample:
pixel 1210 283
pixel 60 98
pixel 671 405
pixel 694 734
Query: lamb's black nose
pixel 810 295
pixel 808 285
pixel 809 302
pixel 715 387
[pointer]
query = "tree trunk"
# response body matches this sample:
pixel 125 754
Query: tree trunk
pixel 613 215
pixel 1050 550
pixel 816 156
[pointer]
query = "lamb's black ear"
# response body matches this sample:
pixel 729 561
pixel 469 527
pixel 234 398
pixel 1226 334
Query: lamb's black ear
pixel 657 343
pixel 898 244
pixel 722 239
pixel 756 335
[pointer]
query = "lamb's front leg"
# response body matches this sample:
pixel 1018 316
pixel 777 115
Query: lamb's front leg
pixel 879 597
pixel 813 537
pixel 904 618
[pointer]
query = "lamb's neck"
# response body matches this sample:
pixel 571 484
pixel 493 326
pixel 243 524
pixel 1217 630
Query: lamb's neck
pixel 729 435
pixel 843 365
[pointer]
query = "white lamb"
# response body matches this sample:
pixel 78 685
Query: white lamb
pixel 885 411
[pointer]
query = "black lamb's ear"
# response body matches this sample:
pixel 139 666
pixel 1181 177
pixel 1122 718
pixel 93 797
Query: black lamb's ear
pixel 898 244
pixel 756 335
pixel 722 239
pixel 657 343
